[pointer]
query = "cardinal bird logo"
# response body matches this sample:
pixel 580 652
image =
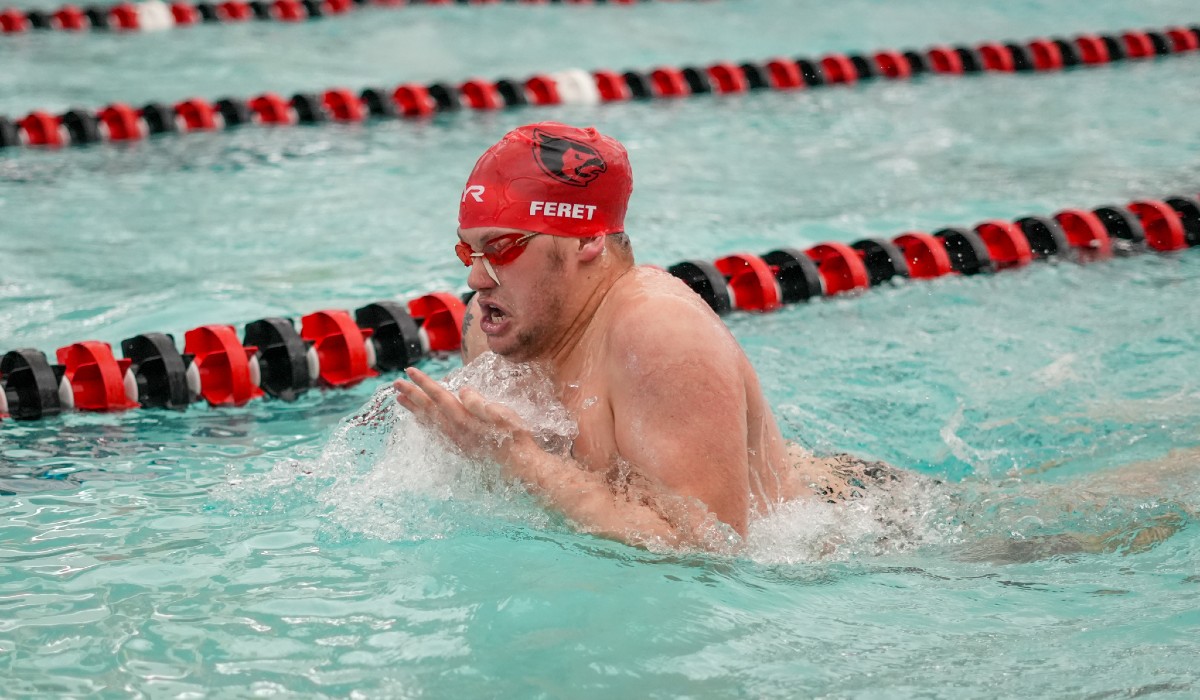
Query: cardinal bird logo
pixel 566 160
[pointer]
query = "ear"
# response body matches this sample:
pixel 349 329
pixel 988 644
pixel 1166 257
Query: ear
pixel 590 248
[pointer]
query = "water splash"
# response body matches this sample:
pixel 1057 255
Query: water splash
pixel 890 517
pixel 383 475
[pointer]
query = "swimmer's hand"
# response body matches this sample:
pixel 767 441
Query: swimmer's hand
pixel 480 429
pixel 476 427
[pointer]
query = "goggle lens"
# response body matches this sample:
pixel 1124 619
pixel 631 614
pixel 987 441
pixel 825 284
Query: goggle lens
pixel 501 250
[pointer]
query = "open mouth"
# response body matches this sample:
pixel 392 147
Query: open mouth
pixel 493 316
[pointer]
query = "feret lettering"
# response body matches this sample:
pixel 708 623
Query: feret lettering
pixel 563 210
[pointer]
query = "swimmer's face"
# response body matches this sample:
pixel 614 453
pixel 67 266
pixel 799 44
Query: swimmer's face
pixel 521 307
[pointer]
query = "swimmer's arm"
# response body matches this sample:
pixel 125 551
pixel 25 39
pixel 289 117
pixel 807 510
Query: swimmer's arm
pixel 474 342
pixel 588 499
pixel 473 424
pixel 679 405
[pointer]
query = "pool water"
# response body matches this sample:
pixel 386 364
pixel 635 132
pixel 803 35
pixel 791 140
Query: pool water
pixel 327 548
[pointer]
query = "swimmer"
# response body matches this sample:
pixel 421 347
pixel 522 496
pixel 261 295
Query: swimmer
pixel 676 444
pixel 676 440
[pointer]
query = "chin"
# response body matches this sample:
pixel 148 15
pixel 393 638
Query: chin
pixel 504 349
pixel 513 350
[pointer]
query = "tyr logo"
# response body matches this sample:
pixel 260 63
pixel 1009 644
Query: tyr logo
pixel 568 161
pixel 474 192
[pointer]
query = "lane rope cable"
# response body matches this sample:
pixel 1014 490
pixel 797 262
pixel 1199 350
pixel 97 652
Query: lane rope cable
pixel 155 15
pixel 118 122
pixel 333 349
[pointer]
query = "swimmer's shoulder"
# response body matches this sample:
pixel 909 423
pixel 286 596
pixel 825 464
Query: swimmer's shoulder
pixel 654 310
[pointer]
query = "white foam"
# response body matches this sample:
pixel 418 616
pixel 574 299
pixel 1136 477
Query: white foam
pixel 887 518
pixel 385 476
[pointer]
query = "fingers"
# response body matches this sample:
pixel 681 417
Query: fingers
pixel 434 405
pixel 446 401
pixel 475 426
pixel 494 414
pixel 412 397
pixel 474 402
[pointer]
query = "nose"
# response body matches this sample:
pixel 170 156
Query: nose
pixel 478 278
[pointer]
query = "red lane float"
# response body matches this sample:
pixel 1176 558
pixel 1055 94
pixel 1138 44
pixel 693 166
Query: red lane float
pixel 669 82
pixel 1006 243
pixel 1164 230
pixel 184 14
pixel 1183 40
pixel 925 255
pixel 121 123
pixel 838 68
pixel 289 11
pixel 124 17
pixel 542 90
pixel 234 11
pixel 196 115
pixel 943 59
pixel 1137 44
pixel 98 381
pixel 1085 232
pixel 1092 49
pixel 413 100
pixel 481 95
pixel 893 64
pixel 751 281
pixel 440 316
pixel 70 19
pixel 343 105
pixel 269 108
pixel 840 266
pixel 1047 55
pixel 227 374
pixel 612 86
pixel 341 347
pixel 997 57
pixel 41 129
pixel 784 74
pixel 13 21
pixel 727 78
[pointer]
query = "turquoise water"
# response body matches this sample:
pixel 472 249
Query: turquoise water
pixel 287 549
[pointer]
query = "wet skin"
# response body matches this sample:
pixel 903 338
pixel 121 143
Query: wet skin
pixel 676 442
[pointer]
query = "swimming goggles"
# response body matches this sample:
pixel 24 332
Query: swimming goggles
pixel 501 250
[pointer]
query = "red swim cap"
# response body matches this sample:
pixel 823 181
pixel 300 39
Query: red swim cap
pixel 550 178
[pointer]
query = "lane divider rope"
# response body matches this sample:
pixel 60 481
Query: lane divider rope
pixel 332 349
pixel 156 15
pixel 121 122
